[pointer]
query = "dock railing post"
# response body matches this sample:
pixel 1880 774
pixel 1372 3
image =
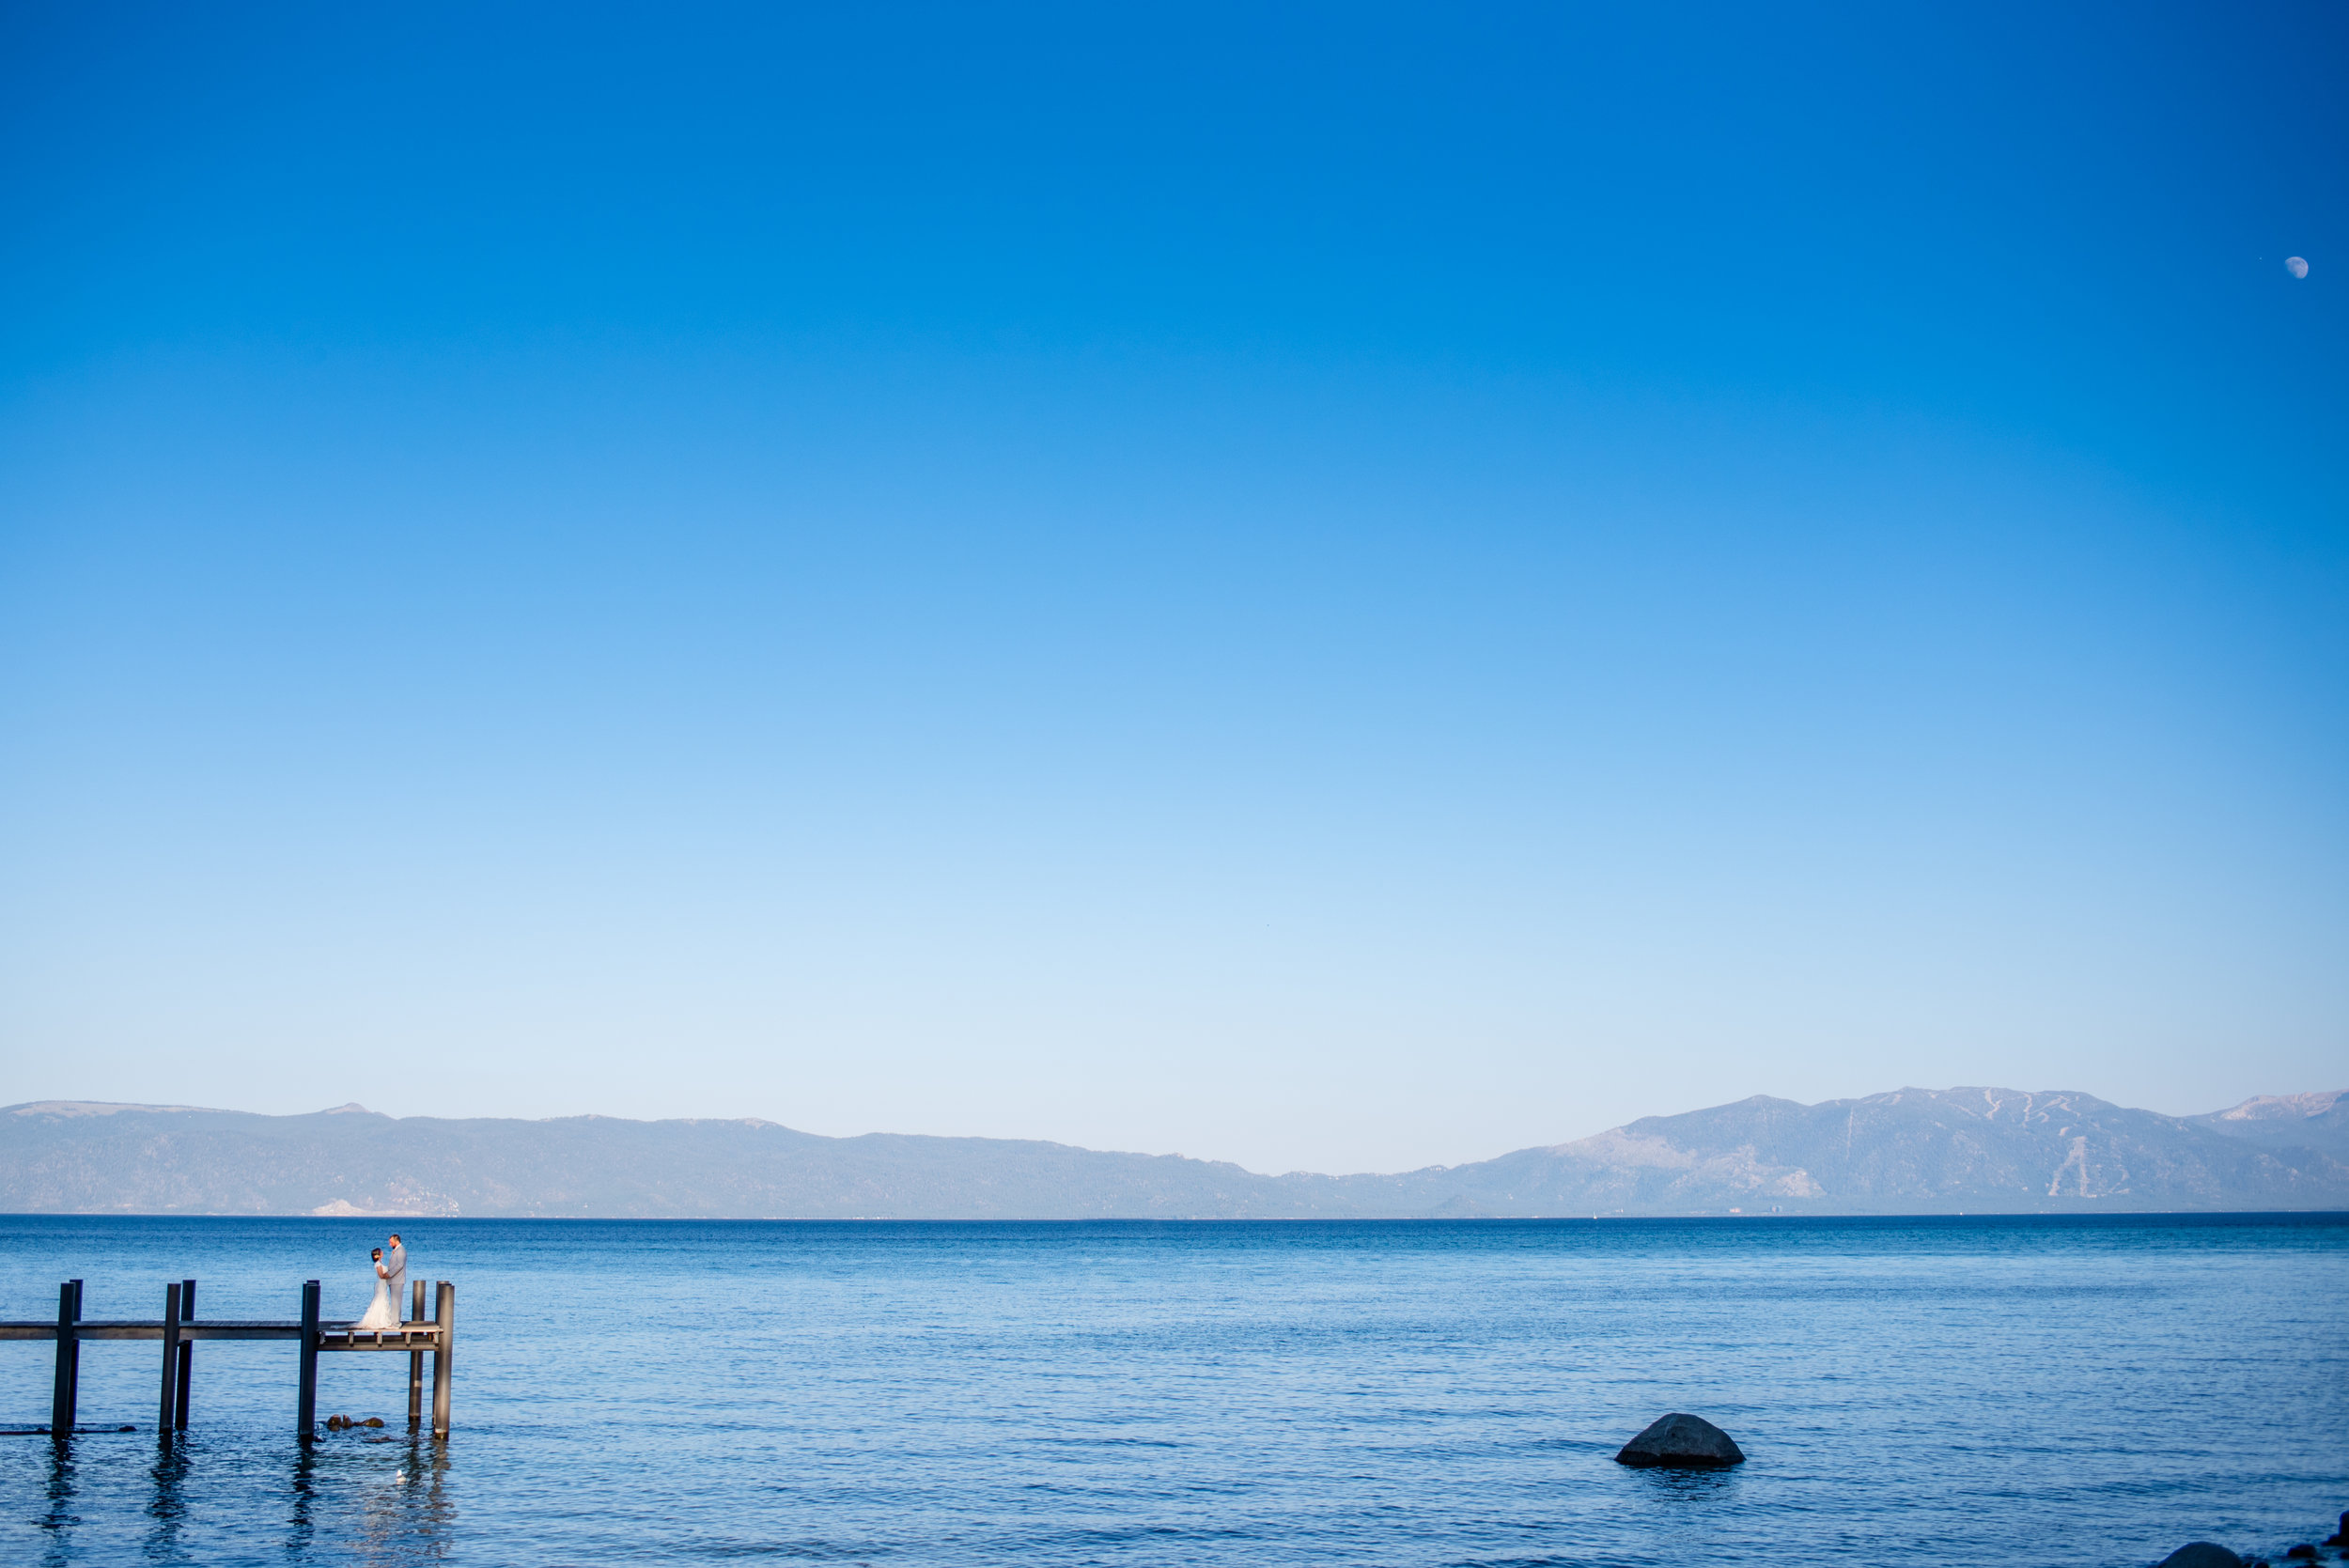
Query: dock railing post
pixel 444 1370
pixel 163 1422
pixel 307 1403
pixel 65 1395
pixel 415 1365
pixel 187 1357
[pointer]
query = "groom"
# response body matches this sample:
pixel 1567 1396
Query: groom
pixel 396 1274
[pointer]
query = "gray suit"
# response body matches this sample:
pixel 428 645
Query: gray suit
pixel 395 1276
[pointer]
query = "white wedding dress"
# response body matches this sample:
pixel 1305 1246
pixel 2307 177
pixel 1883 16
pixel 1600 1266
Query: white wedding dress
pixel 380 1314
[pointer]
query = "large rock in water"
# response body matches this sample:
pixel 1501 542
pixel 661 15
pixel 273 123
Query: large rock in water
pixel 1679 1439
pixel 2201 1554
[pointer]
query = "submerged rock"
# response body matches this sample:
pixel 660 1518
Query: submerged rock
pixel 372 1420
pixel 1682 1440
pixel 2201 1554
pixel 2340 1538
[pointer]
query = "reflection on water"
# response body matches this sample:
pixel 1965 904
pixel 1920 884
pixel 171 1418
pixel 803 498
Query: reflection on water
pixel 58 1518
pixel 1678 1486
pixel 379 1502
pixel 167 1506
pixel 301 1491
pixel 372 1501
pixel 404 1513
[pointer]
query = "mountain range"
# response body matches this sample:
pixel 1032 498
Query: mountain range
pixel 1910 1151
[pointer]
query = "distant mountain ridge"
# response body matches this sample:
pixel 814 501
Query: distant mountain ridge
pixel 2319 1122
pixel 1909 1151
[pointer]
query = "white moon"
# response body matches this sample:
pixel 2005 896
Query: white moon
pixel 2296 265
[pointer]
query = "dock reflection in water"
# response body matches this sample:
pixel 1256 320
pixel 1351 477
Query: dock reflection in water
pixel 405 1513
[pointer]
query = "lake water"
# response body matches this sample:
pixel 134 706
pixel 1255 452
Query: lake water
pixel 1948 1391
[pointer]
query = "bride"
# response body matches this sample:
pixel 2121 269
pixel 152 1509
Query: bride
pixel 383 1313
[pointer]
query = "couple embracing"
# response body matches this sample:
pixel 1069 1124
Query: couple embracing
pixel 391 1283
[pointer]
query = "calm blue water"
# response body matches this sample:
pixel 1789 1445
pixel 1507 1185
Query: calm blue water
pixel 1944 1391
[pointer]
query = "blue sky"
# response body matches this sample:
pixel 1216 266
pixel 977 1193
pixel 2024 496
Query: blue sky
pixel 1332 587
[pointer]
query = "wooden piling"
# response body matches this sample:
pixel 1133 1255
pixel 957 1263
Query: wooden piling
pixel 164 1412
pixel 187 1357
pixel 64 1397
pixel 306 1401
pixel 445 1314
pixel 415 1366
pixel 73 1367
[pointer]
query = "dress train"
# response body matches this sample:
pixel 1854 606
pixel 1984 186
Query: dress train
pixel 380 1313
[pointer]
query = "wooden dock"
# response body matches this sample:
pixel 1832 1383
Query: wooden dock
pixel 178 1329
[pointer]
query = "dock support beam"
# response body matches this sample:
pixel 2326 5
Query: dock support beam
pixel 307 1403
pixel 164 1413
pixel 187 1357
pixel 415 1366
pixel 443 1370
pixel 67 1391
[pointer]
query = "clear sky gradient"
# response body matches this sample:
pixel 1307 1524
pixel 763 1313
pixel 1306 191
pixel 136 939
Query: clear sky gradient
pixel 1336 587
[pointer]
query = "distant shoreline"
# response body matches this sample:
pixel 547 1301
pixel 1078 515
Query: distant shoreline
pixel 1905 1153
